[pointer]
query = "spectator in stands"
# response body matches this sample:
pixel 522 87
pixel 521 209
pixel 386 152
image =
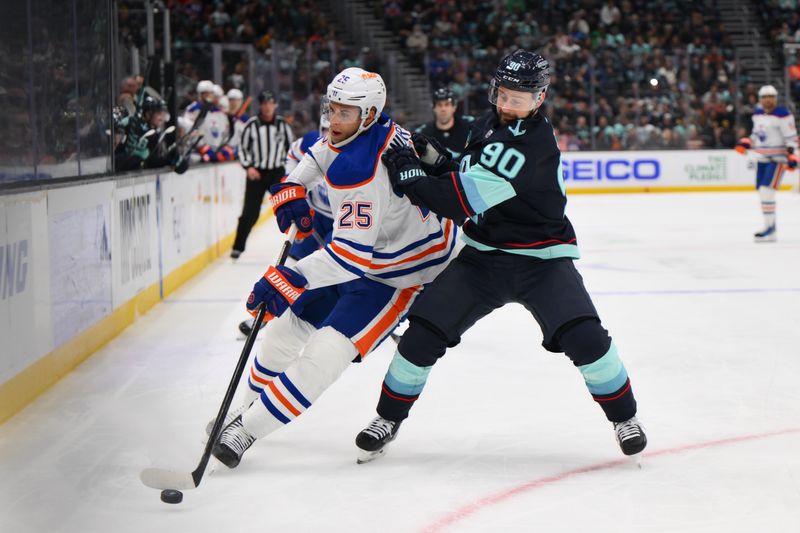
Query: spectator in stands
pixel 127 95
pixel 417 44
pixel 794 78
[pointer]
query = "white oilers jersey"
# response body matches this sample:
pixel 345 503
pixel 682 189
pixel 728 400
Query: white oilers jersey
pixel 214 128
pixel 235 136
pixel 376 233
pixel 773 133
pixel 316 189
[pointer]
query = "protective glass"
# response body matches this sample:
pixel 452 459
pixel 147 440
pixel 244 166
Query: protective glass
pixel 512 100
pixel 324 114
pixel 345 114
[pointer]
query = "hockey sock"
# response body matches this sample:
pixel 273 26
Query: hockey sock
pixel 402 386
pixel 608 383
pixel 288 395
pixel 283 340
pixel 767 195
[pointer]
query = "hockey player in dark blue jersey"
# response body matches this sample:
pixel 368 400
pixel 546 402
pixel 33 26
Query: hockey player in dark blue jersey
pixel 448 127
pixel 509 192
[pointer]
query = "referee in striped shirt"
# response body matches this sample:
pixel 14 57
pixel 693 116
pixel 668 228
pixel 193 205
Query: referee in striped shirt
pixel 265 140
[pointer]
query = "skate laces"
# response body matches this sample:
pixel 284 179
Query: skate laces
pixel 230 417
pixel 379 428
pixel 628 429
pixel 236 438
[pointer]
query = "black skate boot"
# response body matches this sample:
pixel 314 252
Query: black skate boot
pixel 232 444
pixel 630 436
pixel 766 235
pixel 373 439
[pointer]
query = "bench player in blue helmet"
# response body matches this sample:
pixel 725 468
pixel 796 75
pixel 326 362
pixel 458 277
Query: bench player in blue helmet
pixel 509 192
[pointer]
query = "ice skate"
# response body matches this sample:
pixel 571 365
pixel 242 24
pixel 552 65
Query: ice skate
pixel 230 417
pixel 232 444
pixel 373 439
pixel 766 235
pixel 630 436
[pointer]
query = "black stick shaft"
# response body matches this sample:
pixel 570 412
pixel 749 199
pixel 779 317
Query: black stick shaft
pixel 198 473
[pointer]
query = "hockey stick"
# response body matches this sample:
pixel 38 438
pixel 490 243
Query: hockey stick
pixel 162 478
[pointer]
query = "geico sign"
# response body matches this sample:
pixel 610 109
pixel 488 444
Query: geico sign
pixel 611 169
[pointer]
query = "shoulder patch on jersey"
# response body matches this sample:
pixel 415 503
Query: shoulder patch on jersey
pixel 780 111
pixel 308 140
pixel 358 161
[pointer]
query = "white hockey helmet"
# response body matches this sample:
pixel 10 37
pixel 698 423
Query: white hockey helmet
pixel 356 87
pixel 767 90
pixel 235 94
pixel 205 86
pixel 218 92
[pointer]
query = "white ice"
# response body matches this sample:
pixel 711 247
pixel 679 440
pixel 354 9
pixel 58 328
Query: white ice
pixel 505 437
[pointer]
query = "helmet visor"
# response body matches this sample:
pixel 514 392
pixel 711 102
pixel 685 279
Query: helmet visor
pixel 512 100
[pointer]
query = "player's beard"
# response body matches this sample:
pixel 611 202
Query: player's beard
pixel 505 118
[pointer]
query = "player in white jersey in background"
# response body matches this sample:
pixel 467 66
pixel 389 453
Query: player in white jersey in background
pixel 383 250
pixel 774 140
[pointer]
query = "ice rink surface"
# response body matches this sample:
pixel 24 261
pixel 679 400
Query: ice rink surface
pixel 504 438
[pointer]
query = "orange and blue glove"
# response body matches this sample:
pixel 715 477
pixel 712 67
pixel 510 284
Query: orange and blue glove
pixel 290 207
pixel 743 145
pixel 279 288
pixel 791 159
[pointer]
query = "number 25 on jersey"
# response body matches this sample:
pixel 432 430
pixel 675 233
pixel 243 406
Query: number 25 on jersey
pixel 355 215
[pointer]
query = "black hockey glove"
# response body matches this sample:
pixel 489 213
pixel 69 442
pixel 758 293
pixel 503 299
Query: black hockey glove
pixel 403 166
pixel 432 153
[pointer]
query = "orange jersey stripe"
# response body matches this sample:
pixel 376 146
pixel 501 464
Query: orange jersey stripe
pixel 387 321
pixel 348 255
pixel 433 249
pixel 283 399
pixel 372 266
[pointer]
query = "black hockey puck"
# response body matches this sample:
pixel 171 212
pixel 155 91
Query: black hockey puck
pixel 171 496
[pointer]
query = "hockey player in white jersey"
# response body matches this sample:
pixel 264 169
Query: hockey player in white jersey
pixel 774 141
pixel 383 250
pixel 213 129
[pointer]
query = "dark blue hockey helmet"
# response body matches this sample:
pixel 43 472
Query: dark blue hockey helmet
pixel 151 104
pixel 443 94
pixel 522 71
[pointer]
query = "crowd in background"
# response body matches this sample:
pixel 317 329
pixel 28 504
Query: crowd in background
pixel 298 49
pixel 781 20
pixel 628 74
pixel 662 74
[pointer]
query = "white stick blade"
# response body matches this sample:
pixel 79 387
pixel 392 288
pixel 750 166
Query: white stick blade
pixel 161 478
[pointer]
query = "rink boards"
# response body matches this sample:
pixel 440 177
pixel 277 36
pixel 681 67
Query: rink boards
pixel 79 263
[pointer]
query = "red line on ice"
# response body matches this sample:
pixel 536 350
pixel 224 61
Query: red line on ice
pixel 479 505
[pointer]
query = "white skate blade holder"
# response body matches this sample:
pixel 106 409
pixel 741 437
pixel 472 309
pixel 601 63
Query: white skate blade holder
pixel 367 457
